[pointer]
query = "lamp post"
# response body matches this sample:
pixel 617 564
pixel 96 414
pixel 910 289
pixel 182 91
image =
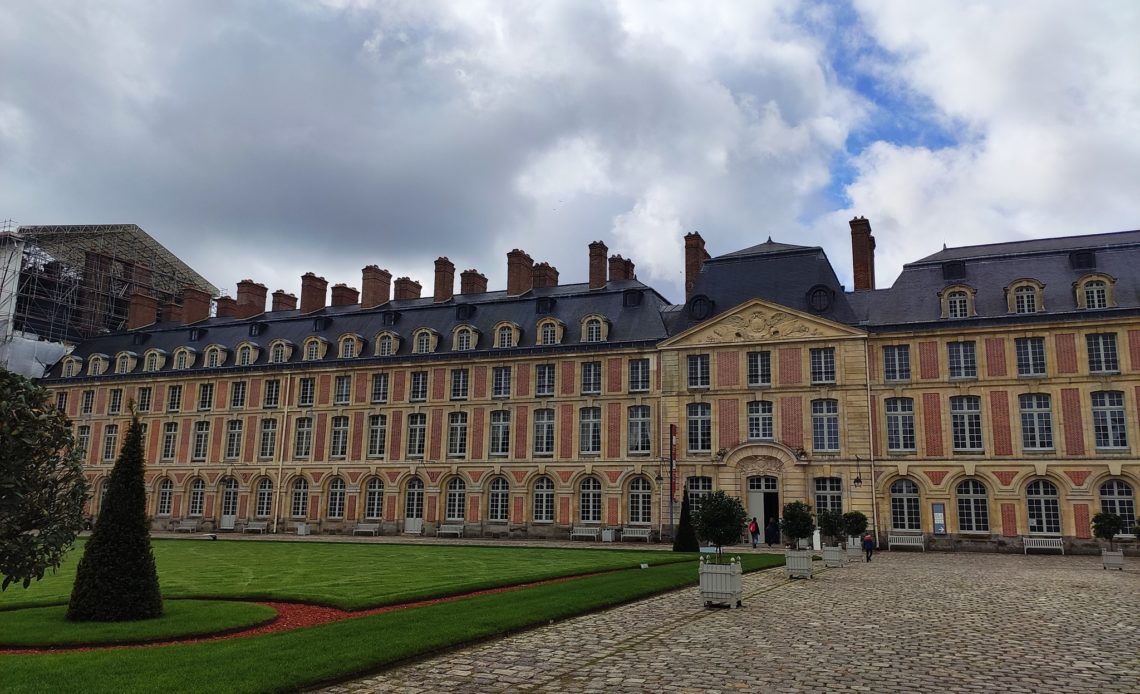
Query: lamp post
pixel 858 481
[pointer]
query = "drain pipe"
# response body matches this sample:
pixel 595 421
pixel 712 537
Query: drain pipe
pixel 871 438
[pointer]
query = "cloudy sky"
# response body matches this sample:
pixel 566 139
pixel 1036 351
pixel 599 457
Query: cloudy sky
pixel 265 139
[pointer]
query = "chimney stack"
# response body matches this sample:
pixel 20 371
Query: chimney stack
pixel 143 311
pixel 195 305
pixel 629 273
pixel 227 307
pixel 862 254
pixel 284 301
pixel 544 275
pixel 695 257
pixel 407 288
pixel 598 253
pixel 344 295
pixel 620 268
pixel 250 299
pixel 171 311
pixel 520 272
pixel 472 282
pixel 444 280
pixel 313 290
pixel 376 287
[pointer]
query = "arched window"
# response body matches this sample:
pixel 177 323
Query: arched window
pixel 70 368
pixel 151 363
pixel 640 501
pixel 1116 497
pixel 414 499
pixel 594 330
pixel 1096 294
pixel 904 505
pixel 348 348
pixel 548 334
pixel 264 504
pixel 384 346
pixel 300 498
pixel 590 500
pixel 499 501
pixel 245 355
pixel 544 500
pixel 336 498
pixel 197 498
pixel 277 353
pixel 456 499
pixel 1095 291
pixel 95 368
pixel 229 497
pixel 312 349
pixel 463 340
pixel 423 342
pixel 1025 299
pixel 213 357
pixel 505 337
pixel 165 498
pixel 958 304
pixel 123 364
pixel 973 508
pixel 181 359
pixel 1044 508
pixel 374 499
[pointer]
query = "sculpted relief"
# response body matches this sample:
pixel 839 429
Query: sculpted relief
pixel 760 324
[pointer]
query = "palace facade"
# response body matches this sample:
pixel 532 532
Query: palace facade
pixel 990 394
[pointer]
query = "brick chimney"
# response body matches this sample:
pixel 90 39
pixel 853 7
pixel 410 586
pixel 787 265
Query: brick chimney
pixel 520 272
pixel 695 257
pixel 344 295
pixel 376 287
pixel 195 305
pixel 171 311
pixel 620 268
pixel 444 280
pixel 862 254
pixel 227 307
pixel 250 299
pixel 407 288
pixel 598 253
pixel 313 290
pixel 284 301
pixel 629 273
pixel 472 282
pixel 544 275
pixel 142 311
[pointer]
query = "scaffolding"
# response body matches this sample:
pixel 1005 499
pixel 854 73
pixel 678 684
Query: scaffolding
pixel 66 283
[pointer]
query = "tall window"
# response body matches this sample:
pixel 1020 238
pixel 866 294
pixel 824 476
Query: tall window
pixel 377 435
pixel 385 346
pixel 417 431
pixel 143 395
pixel 958 305
pixel 237 394
pixel 380 387
pixel 966 422
pixel 459 384
pixel 548 334
pixel 501 382
pixel 342 392
pixel 1102 353
pixel 83 439
pixel 825 425
pixel 1030 356
pixel 1096 294
pixel 244 355
pixel 639 430
pixel 591 377
pixel 700 427
pixel 174 399
pixel 197 498
pixel 590 430
pixel 169 440
pixel 1116 497
pixel 348 348
pixel 1036 421
pixel 544 500
pixel 306 392
pixel 151 363
pixel 638 375
pixel 233 439
pixel 336 498
pixel 896 362
pixel 699 488
pixel 463 340
pixel 1044 508
pixel 506 337
pixel 500 432
pixel 973 508
pixel 97 365
pixel 699 371
pixel 277 353
pixel 205 397
pixel 110 442
pixel 457 434
pixel 338 440
pixel 904 505
pixel 544 432
pixel 1025 300
pixel 419 386
pixel 640 501
pixel 303 437
pixel 594 330
pixel 213 358
pixel 759 368
pixel 300 498
pixel 87 406
pixel 423 342
pixel 900 424
pixel 312 350
pixel 590 500
pixel 181 360
pixel 828 494
pixel 963 360
pixel 268 438
pixel 201 440
pixel 761 426
pixel 374 499
pixel 498 501
pixel 456 499
pixel 165 498
pixel 123 364
pixel 115 404
pixel 823 365
pixel 272 394
pixel 544 380
pixel 1108 419
pixel 264 498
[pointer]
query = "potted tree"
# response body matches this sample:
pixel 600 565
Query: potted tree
pixel 718 520
pixel 1107 526
pixel 830 526
pixel 799 524
pixel 854 525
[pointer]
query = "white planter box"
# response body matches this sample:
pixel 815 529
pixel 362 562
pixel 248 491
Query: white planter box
pixel 721 583
pixel 1113 560
pixel 797 563
pixel 833 557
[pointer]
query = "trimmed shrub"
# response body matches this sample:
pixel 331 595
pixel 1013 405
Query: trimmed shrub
pixel 854 523
pixel 830 524
pixel 719 519
pixel 686 540
pixel 798 521
pixel 1107 526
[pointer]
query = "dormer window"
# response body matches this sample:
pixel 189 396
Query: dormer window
pixel 71 366
pixel 197 334
pixel 387 344
pixel 389 317
pixel 256 329
pixel 96 367
pixel 153 360
pixel 1025 296
pixel 548 334
pixel 279 351
pixel 959 304
pixel 123 364
pixel 183 358
pixel 464 339
pixel 1095 291
pixel 245 355
pixel 506 336
pixel 544 305
pixel 214 357
pixel 314 349
pixel 423 342
pixel 464 311
pixel 594 329
pixel 350 345
pixel 957 301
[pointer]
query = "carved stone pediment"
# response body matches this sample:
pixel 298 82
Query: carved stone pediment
pixel 759 321
pixel 760 464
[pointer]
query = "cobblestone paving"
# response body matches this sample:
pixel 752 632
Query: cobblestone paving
pixel 905 622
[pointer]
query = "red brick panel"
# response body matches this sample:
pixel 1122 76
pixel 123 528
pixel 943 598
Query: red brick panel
pixel 243 505
pixel 480 382
pixel 1008 520
pixel 522 380
pixel 612 511
pixel 436 433
pixel 473 508
pixel 568 382
pixel 154 431
pixel 431 505
pixel 73 397
pixel 1134 349
pixel 791 366
pixel 1066 352
pixel 357 441
pixel 360 392
pixel 252 439
pixel 613 429
pixel 999 412
pixel 878 439
pixel 932 423
pixel 350 507
pixel 1005 476
pixel 320 428
pixel 1078 476
pixel 928 360
pixel 438 381
pixel 395 435
pixel 324 390
pixel 101 401
pixel 1074 429
pixel 475 452
pixel 517 510
pixel 1081 519
pixel 564 510
pixel 727 368
pixel 995 356
pixel 221 395
pixel 613 375
pixel 253 398
pixel 314 506
pixel 792 421
pixel 217 435
pixel 184 427
pixel 729 415
pixel 566 432
pixel 208 512
pixel 399 380
pixel 520 432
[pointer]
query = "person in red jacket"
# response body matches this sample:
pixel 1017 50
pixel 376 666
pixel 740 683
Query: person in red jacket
pixel 754 531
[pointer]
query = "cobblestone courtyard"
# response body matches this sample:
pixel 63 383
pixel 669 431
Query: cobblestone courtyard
pixel 905 622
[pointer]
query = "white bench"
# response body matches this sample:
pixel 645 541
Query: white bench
pixel 1029 543
pixel 588 531
pixel 906 541
pixel 366 528
pixel 637 534
pixel 256 527
pixel 186 526
pixel 450 529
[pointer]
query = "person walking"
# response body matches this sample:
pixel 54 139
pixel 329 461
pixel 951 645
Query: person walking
pixel 868 545
pixel 754 531
pixel 772 533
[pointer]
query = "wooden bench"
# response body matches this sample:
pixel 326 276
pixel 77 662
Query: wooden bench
pixel 366 528
pixel 186 526
pixel 256 527
pixel 1028 543
pixel 588 531
pixel 906 541
pixel 637 534
pixel 450 529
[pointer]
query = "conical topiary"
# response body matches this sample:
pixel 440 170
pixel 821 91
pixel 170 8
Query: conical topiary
pixel 686 540
pixel 116 580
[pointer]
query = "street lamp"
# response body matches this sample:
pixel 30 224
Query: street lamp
pixel 858 481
